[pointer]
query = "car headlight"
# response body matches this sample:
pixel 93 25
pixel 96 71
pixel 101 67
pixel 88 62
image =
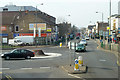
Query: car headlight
pixel 2 54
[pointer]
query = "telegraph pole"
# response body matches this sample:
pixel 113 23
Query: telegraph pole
pixel 36 28
pixel 110 26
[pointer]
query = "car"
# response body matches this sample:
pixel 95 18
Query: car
pixel 80 47
pixel 83 41
pixel 87 38
pixel 77 37
pixel 18 53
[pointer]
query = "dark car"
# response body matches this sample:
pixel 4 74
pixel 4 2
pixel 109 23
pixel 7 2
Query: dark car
pixel 18 53
pixel 80 47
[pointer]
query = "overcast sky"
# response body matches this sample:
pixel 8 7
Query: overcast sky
pixel 81 11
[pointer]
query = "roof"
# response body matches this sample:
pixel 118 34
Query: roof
pixel 8 17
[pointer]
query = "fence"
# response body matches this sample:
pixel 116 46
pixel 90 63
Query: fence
pixel 112 46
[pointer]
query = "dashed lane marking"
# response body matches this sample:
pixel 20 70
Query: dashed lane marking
pixel 44 67
pixel 25 68
pixel 80 53
pixel 4 68
pixel 102 60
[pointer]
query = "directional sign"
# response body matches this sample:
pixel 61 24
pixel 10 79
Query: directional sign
pixel 108 28
pixel 48 29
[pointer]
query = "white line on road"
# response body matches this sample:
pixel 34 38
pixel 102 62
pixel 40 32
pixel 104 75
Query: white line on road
pixel 4 68
pixel 44 67
pixel 25 68
pixel 74 76
pixel 102 60
pixel 80 53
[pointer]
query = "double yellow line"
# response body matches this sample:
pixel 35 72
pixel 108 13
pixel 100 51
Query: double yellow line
pixel 9 77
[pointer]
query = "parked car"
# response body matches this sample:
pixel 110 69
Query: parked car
pixel 80 47
pixel 83 41
pixel 18 53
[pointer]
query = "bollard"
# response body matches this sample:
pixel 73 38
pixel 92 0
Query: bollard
pixel 80 61
pixel 76 67
pixel 60 44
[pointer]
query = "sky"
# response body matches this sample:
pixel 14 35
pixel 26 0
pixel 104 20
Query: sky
pixel 78 12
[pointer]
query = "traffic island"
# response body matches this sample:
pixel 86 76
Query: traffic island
pixel 39 53
pixel 70 69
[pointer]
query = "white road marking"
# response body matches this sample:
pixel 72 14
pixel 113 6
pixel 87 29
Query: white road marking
pixel 25 68
pixel 80 53
pixel 4 68
pixel 74 76
pixel 102 60
pixel 44 67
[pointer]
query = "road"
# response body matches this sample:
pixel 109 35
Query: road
pixel 100 64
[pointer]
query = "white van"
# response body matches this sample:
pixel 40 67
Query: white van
pixel 15 42
pixel 27 40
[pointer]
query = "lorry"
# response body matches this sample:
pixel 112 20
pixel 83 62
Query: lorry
pixel 27 40
pixel 15 42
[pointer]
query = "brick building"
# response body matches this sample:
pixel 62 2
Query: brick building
pixel 17 23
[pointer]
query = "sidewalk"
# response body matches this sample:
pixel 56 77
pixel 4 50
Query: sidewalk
pixel 70 69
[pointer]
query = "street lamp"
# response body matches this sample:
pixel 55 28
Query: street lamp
pixel 36 25
pixel 102 17
pixel 102 26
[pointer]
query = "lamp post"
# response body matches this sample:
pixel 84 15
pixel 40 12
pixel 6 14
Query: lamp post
pixel 66 35
pixel 35 33
pixel 102 20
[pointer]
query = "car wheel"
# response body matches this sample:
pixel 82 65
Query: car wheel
pixel 7 57
pixel 28 57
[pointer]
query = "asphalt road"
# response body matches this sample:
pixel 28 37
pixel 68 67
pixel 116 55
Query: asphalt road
pixel 38 68
pixel 100 64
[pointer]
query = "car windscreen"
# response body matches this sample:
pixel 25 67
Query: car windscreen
pixel 80 45
pixel 19 41
pixel 83 40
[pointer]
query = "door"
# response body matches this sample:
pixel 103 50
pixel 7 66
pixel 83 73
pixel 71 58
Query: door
pixel 17 54
pixel 23 52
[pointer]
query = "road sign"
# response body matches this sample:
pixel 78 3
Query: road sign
pixel 48 29
pixel 108 28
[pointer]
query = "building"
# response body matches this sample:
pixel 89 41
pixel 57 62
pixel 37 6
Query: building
pixel 101 29
pixel 89 29
pixel 115 26
pixel 17 8
pixel 23 23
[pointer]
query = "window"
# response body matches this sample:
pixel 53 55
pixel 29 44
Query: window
pixel 5 9
pixel 16 51
pixel 17 28
pixel 23 51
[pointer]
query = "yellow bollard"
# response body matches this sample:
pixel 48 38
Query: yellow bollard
pixel 60 44
pixel 80 61
pixel 76 67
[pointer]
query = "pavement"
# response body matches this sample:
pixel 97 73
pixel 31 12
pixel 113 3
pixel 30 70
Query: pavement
pixel 70 69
